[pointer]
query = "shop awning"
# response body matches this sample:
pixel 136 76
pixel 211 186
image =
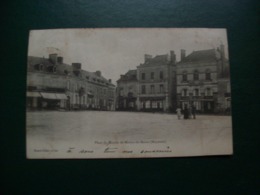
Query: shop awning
pixel 90 94
pixel 51 96
pixel 61 96
pixel 33 94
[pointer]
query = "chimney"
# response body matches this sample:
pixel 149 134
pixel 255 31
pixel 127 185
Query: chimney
pixel 147 57
pixel 183 54
pixel 60 60
pixel 76 66
pixel 98 73
pixel 53 58
pixel 172 56
pixel 222 51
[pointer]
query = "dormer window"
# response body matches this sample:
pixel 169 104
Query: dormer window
pixel 38 67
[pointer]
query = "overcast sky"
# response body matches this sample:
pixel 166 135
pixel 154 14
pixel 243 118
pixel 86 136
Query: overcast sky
pixel 115 51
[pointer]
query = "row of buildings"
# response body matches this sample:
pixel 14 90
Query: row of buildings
pixel 52 84
pixel 200 79
pixel 160 83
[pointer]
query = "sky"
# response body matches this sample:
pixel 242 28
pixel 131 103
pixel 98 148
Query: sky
pixel 114 51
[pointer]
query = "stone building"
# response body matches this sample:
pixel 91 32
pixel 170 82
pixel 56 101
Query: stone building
pixel 150 87
pixel 127 91
pixel 52 84
pixel 156 83
pixel 203 80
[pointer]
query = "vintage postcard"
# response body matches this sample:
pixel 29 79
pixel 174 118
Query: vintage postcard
pixel 128 93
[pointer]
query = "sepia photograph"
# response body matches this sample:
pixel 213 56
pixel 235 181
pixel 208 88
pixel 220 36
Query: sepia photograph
pixel 128 93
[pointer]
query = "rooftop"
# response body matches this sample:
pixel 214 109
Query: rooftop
pixel 64 69
pixel 131 75
pixel 209 55
pixel 157 60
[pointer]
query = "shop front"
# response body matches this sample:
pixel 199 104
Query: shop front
pixel 152 104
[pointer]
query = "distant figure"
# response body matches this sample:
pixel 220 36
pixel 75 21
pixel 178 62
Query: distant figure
pixel 178 112
pixel 186 112
pixel 193 111
pixel 190 112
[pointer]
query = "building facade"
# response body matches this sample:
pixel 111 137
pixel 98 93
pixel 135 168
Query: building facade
pixel 127 91
pixel 150 87
pixel 203 81
pixel 52 84
pixel 200 79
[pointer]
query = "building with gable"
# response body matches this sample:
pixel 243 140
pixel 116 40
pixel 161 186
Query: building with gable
pixel 150 87
pixel 127 91
pixel 200 79
pixel 203 80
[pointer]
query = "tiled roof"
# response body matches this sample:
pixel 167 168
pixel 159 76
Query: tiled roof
pixel 201 56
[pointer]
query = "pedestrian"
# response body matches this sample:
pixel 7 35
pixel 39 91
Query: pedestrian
pixel 190 112
pixel 178 112
pixel 186 112
pixel 193 110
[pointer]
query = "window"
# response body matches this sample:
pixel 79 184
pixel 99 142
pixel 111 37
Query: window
pixel 121 91
pixel 208 75
pixel 143 76
pixel 77 99
pixel 184 92
pixel 184 76
pixel 196 92
pixel 208 92
pixel 161 89
pixel 143 89
pixel 196 75
pixel 68 85
pixel 83 100
pixel 152 75
pixel 154 104
pixel 161 74
pixel 152 89
pixel 147 104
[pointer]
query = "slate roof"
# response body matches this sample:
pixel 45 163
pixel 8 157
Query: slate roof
pixel 61 67
pixel 209 55
pixel 157 60
pixel 131 75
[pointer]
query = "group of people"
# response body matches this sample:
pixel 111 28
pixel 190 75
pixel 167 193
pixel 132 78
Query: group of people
pixel 189 112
